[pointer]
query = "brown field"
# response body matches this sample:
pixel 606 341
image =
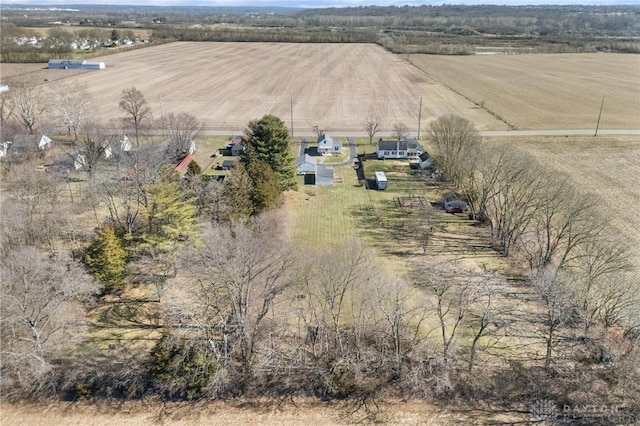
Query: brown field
pixel 336 86
pixel 608 167
pixel 546 91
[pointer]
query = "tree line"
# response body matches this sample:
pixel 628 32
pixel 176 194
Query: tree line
pixel 558 234
pixel 446 29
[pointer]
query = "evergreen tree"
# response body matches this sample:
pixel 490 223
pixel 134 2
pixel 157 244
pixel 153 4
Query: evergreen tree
pixel 171 215
pixel 194 169
pixel 237 196
pixel 268 142
pixel 265 193
pixel 106 258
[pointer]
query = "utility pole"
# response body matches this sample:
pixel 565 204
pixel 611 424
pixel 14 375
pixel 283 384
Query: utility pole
pixel 599 115
pixel 419 117
pixel 292 117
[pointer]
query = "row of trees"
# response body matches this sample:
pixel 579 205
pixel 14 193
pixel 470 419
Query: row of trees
pixel 578 264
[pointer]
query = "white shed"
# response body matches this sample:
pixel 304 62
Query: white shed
pixel 381 180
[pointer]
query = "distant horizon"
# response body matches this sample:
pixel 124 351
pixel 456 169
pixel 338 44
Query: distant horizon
pixel 305 4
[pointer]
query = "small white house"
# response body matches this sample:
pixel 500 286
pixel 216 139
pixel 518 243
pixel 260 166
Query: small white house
pixel 328 145
pixel 125 144
pixel 4 146
pixel 404 149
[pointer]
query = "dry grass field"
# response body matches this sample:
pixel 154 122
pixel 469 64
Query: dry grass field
pixel 608 167
pixel 545 91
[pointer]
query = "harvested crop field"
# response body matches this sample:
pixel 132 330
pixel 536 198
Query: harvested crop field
pixel 550 91
pixel 607 167
pixel 334 86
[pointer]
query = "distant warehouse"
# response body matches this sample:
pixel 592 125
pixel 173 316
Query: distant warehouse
pixel 74 64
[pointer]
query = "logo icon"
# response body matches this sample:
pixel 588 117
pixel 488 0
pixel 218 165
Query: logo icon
pixel 543 409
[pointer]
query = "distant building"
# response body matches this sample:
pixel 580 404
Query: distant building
pixel 75 64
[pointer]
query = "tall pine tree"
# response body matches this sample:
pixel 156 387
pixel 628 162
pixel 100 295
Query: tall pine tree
pixel 171 214
pixel 106 258
pixel 268 142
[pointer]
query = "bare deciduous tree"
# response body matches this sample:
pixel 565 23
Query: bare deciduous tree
pixel 40 299
pixel 453 294
pixel 6 110
pixel 331 291
pixel 318 130
pixel 515 193
pixel 401 317
pixel 565 219
pixel 372 127
pixel 71 107
pixel 400 131
pixel 35 201
pixel 240 271
pixel 457 143
pixel 181 130
pixel 559 305
pixel 136 109
pixel 30 103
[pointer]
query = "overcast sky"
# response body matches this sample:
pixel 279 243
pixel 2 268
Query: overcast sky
pixel 310 3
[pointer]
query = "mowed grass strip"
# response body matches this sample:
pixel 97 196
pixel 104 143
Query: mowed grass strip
pixel 322 216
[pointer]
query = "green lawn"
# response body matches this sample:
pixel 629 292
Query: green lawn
pixel 327 216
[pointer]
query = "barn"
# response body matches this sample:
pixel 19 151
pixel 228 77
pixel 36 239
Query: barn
pixel 74 64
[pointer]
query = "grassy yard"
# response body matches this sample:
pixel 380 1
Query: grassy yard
pixel 330 215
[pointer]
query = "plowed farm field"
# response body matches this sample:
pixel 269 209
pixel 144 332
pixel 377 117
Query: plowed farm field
pixel 225 85
pixel 339 86
pixel 545 91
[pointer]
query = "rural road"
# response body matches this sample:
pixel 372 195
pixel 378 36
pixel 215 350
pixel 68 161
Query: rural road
pixel 509 133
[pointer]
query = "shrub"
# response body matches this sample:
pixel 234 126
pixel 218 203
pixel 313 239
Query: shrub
pixel 182 368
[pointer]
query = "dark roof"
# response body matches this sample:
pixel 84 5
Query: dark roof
pixel 392 145
pixel 228 164
pixel 25 141
pixel 414 144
